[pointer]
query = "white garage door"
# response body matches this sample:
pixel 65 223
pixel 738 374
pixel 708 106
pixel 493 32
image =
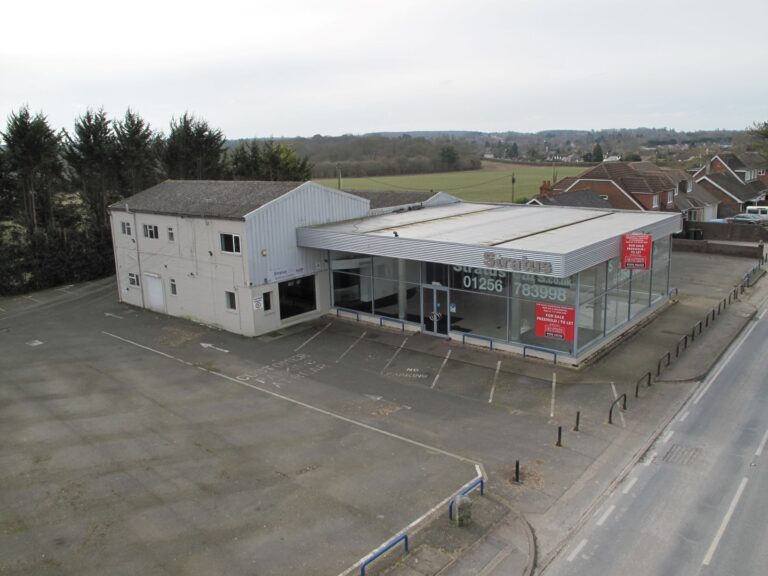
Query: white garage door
pixel 155 298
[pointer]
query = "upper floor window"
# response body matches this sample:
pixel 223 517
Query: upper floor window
pixel 125 227
pixel 173 287
pixel 230 300
pixel 171 235
pixel 151 231
pixel 230 243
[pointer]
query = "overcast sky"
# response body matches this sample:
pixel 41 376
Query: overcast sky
pixel 303 67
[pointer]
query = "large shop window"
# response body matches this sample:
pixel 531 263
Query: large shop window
pixel 352 292
pixel 396 299
pixel 477 313
pixel 660 271
pixel 297 296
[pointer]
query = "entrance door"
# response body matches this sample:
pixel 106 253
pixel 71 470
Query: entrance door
pixel 434 306
pixel 155 297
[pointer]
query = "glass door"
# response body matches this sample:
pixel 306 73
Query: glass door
pixel 434 307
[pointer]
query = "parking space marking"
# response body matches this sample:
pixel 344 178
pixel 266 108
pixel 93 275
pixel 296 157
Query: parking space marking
pixel 323 329
pixel 684 416
pixel 667 437
pixel 495 377
pixel 274 394
pixel 650 459
pixel 576 550
pixel 33 299
pixel 724 523
pixel 762 445
pixel 394 355
pixel 351 346
pixel 445 360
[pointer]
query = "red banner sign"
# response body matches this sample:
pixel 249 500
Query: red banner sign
pixel 553 321
pixel 636 251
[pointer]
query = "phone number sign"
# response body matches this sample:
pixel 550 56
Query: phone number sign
pixel 636 251
pixel 557 322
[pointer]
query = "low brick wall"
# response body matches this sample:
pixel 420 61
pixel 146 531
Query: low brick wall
pixel 705 247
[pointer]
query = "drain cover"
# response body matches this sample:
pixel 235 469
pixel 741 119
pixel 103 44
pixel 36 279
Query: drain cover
pixel 680 454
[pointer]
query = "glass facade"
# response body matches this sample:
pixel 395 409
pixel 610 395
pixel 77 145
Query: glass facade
pixel 502 305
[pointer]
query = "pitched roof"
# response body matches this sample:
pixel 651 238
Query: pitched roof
pixel 576 198
pixel 226 199
pixel 631 179
pixel 734 186
pixel 388 198
pixel 564 183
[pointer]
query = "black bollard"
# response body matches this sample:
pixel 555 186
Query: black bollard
pixel 559 436
pixel 578 417
pixel 517 471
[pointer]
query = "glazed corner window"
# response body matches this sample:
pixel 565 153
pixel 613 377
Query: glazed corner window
pixel 230 300
pixel 133 279
pixel 230 243
pixel 125 227
pixel 267 301
pixel 171 236
pixel 173 287
pixel 151 231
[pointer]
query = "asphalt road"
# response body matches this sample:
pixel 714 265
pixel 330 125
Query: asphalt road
pixel 698 501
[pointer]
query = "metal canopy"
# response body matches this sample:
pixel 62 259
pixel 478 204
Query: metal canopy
pixel 560 240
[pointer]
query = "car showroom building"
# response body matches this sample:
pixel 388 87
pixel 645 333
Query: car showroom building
pixel 253 257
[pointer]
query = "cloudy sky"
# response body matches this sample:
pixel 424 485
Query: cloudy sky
pixel 303 67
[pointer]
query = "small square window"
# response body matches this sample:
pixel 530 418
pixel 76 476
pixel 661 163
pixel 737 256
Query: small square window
pixel 267 301
pixel 230 243
pixel 173 287
pixel 171 236
pixel 151 231
pixel 126 228
pixel 230 300
pixel 133 279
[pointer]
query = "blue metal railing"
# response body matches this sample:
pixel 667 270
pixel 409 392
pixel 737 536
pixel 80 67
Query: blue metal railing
pixel 547 350
pixel 383 550
pixel 474 484
pixel 464 339
pixel 348 311
pixel 383 319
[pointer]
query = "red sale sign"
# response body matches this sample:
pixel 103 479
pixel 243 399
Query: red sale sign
pixel 636 251
pixel 553 321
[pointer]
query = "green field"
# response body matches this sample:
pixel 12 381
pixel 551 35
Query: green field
pixel 493 183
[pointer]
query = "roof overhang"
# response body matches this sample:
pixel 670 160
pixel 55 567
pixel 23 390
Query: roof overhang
pixel 546 240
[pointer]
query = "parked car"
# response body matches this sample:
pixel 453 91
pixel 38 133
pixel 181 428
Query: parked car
pixel 746 219
pixel 761 211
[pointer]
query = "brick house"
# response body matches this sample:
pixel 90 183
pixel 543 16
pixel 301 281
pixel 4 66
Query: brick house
pixel 736 181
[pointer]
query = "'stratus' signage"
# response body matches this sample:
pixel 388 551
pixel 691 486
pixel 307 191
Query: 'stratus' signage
pixel 491 260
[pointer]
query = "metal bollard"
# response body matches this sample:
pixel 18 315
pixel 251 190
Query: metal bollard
pixel 578 417
pixel 559 436
pixel 517 471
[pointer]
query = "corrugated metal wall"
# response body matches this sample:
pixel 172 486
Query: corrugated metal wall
pixel 272 228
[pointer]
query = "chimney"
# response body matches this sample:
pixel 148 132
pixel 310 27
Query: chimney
pixel 546 187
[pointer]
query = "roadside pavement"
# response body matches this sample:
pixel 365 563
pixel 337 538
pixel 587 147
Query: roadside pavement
pixel 533 529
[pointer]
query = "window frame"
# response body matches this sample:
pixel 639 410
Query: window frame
pixel 655 201
pixel 236 245
pixel 151 231
pixel 230 300
pixel 125 227
pixel 267 301
pixel 172 287
pixel 133 279
pixel 171 234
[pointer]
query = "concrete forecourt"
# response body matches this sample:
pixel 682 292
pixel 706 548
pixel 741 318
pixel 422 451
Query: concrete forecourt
pixel 134 442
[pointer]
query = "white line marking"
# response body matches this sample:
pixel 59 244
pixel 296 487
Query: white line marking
pixel 724 363
pixel 762 314
pixel 605 515
pixel 552 403
pixel 351 346
pixel 684 416
pixel 323 329
pixel 304 404
pixel 212 347
pixel 439 371
pixel 576 550
pixel 33 299
pixel 724 524
pixel 629 485
pixel 495 377
pixel 394 355
pixel 650 459
pixel 762 444
pixel 667 436
pixel 621 412
pixel 2 309
pixel 113 315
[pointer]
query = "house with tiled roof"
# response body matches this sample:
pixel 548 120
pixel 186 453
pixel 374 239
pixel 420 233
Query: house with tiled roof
pixel 734 180
pixel 622 185
pixel 692 199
